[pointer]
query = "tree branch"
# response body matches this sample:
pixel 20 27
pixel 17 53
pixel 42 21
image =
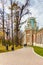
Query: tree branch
pixel 25 13
pixel 23 7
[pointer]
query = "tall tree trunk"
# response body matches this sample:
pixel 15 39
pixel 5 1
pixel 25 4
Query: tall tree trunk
pixel 17 17
pixel 17 30
pixel 3 22
pixel 12 24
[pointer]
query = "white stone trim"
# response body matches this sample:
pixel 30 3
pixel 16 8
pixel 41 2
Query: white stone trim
pixel 38 44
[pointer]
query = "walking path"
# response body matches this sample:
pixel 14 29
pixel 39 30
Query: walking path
pixel 24 56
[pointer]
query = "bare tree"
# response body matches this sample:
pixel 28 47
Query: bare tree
pixel 19 14
pixel 11 2
pixel 18 19
pixel 3 18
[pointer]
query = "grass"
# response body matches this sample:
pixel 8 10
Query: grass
pixel 38 50
pixel 3 48
pixel 15 48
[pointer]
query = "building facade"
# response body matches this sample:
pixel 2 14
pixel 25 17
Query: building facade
pixel 33 35
pixel 39 39
pixel 30 31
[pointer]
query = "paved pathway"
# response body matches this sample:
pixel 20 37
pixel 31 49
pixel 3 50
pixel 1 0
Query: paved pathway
pixel 24 56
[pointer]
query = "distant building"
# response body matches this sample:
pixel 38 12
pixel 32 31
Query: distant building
pixel 30 31
pixel 39 39
pixel 5 34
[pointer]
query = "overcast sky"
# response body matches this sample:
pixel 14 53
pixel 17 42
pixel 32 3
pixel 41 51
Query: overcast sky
pixel 36 8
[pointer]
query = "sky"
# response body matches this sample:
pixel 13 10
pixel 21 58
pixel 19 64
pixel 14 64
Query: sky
pixel 36 8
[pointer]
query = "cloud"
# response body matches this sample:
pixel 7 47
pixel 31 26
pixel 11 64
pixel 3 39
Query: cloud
pixel 23 1
pixel 36 7
pixel 0 5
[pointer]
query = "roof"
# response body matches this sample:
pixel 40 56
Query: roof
pixel 40 30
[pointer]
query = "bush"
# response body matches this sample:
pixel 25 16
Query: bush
pixel 4 42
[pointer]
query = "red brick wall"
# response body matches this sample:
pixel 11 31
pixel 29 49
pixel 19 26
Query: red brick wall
pixel 32 36
pixel 40 37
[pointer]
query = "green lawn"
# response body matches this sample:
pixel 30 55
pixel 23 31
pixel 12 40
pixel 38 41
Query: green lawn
pixel 38 50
